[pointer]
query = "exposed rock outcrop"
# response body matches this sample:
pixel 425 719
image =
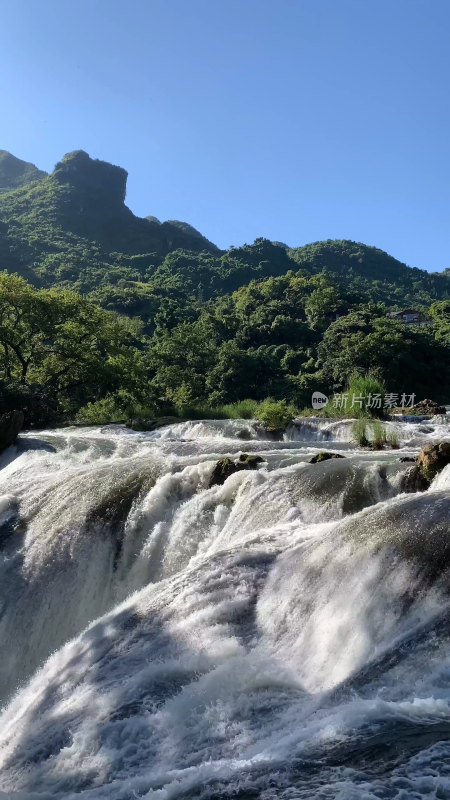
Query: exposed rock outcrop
pixel 414 481
pixel 433 458
pixel 92 177
pixel 271 434
pixel 89 200
pixel 430 461
pixel 226 467
pixel 324 456
pixel 428 407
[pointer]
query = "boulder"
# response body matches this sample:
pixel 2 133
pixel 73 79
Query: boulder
pixel 324 456
pixel 408 459
pixel 11 424
pixel 413 480
pixel 271 434
pixel 250 462
pixel 428 407
pixel 226 467
pixel 433 458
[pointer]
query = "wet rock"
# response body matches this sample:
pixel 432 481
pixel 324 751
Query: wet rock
pixel 271 434
pixel 11 424
pixel 324 456
pixel 251 462
pixel 226 467
pixel 147 424
pixel 244 434
pixel 428 407
pixel 408 460
pixel 110 514
pixel 339 486
pixel 413 480
pixel 433 458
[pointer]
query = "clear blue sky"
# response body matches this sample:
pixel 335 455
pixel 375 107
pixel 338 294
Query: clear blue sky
pixel 297 120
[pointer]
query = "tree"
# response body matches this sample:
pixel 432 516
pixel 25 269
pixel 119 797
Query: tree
pixel 63 344
pixel 406 358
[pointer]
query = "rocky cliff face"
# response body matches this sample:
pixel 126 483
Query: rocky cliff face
pixel 86 197
pixel 94 206
pixel 92 178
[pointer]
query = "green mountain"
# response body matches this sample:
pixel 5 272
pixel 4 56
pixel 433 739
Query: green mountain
pixel 73 227
pixel 389 279
pixel 15 173
pixel 113 312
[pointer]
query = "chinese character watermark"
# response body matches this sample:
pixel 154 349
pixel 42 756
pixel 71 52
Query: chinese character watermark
pixel 348 401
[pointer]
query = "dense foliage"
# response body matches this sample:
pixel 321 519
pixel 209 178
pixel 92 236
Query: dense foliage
pixel 105 312
pixel 15 173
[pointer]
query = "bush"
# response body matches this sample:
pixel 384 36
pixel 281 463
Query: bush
pixel 275 413
pixel 244 409
pixel 101 412
pixel 198 412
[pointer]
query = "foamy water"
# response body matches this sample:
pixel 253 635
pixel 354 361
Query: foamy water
pixel 284 635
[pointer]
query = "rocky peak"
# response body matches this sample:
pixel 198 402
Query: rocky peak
pixel 92 177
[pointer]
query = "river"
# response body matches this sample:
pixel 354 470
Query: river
pixel 284 635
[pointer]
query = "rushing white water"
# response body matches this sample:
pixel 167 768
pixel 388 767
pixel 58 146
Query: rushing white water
pixel 284 635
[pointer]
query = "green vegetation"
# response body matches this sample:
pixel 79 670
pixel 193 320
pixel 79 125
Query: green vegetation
pixel 360 433
pixel 244 409
pixel 15 173
pixel 275 413
pixel 104 315
pixel 366 396
pixel 392 441
pixel 379 436
pixel 57 349
pixel 101 412
pixel 373 434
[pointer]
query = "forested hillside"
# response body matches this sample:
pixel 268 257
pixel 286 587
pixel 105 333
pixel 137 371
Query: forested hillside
pixel 119 311
pixel 15 173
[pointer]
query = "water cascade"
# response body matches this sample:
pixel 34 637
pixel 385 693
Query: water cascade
pixel 283 635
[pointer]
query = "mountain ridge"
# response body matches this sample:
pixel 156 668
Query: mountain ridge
pixel 15 173
pixel 159 318
pixel 72 228
pixel 82 198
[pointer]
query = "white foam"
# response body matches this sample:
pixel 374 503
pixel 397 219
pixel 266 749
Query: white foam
pixel 207 635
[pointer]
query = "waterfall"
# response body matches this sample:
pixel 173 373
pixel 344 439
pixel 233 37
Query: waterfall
pixel 284 634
